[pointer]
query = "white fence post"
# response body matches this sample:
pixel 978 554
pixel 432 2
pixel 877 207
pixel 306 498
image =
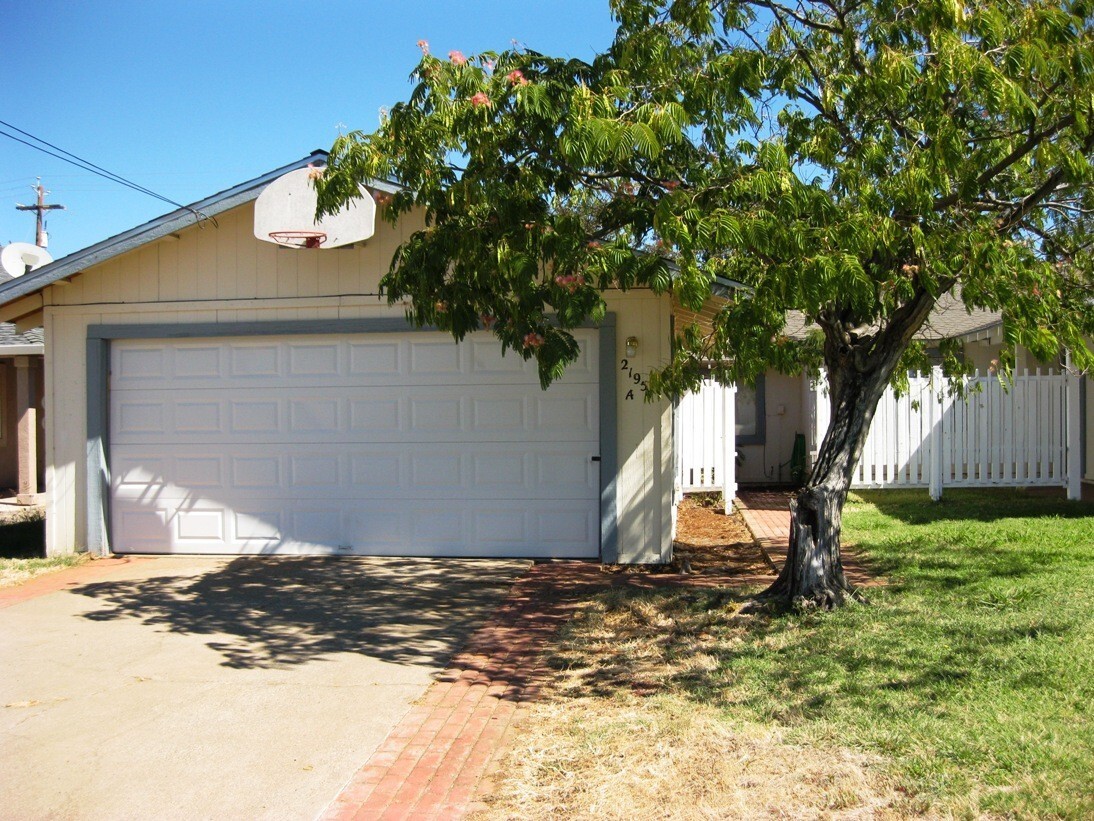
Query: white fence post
pixel 729 446
pixel 1074 445
pixel 935 440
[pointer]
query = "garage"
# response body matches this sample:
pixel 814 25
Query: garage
pixel 383 443
pixel 209 390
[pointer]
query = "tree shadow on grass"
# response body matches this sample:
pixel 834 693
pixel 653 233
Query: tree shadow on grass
pixel 915 507
pixel 272 612
pixel 786 668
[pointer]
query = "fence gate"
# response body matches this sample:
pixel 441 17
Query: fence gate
pixel 705 455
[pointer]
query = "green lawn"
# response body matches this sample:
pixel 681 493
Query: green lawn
pixel 971 675
pixel 973 671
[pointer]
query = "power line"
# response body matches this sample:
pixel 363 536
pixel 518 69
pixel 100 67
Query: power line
pixel 87 165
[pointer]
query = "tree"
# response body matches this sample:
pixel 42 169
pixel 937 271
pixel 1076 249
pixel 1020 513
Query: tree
pixel 852 160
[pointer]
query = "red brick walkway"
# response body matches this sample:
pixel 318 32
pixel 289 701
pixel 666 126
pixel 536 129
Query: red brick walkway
pixel 767 515
pixel 70 577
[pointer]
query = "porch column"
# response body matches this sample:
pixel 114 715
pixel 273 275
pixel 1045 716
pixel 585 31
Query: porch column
pixel 27 433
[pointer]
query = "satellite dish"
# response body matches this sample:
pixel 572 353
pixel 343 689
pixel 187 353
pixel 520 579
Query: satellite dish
pixel 21 258
pixel 285 214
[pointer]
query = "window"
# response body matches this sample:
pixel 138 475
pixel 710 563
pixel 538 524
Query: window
pixel 749 413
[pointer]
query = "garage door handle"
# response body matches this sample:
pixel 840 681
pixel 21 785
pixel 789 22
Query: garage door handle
pixel 596 458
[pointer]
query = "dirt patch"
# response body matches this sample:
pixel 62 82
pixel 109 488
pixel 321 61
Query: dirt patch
pixel 707 539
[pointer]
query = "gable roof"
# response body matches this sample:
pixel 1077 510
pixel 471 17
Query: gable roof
pixel 156 229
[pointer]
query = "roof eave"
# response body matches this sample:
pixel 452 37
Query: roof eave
pixel 157 229
pixel 30 349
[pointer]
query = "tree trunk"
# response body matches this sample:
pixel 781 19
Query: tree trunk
pixel 813 573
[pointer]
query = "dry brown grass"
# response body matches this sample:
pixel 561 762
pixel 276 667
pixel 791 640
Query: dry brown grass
pixel 631 757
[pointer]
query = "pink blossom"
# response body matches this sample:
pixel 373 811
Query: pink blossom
pixel 480 100
pixel 671 185
pixel 516 78
pixel 457 58
pixel 441 306
pixel 314 172
pixel 424 46
pixel 571 282
pixel 533 340
pixel 486 320
pixel 593 245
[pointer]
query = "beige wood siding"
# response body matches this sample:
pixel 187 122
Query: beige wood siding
pixel 221 273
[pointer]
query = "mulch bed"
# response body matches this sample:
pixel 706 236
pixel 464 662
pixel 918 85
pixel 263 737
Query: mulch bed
pixel 709 544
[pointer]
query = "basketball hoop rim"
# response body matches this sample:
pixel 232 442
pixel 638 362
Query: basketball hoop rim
pixel 299 238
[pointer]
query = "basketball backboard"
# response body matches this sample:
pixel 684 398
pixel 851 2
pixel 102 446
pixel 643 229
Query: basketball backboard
pixel 285 215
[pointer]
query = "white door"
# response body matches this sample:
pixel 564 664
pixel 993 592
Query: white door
pixel 379 444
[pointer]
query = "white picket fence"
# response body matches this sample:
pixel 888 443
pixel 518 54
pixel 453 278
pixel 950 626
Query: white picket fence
pixel 1026 434
pixel 705 456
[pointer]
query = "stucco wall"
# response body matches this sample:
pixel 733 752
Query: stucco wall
pixel 221 273
pixel 784 417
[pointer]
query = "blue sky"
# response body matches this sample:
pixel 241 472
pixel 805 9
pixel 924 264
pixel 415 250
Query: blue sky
pixel 189 98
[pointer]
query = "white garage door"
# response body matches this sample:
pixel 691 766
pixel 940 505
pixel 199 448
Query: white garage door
pixel 381 444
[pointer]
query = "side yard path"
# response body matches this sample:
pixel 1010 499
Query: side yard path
pixel 438 761
pixel 767 515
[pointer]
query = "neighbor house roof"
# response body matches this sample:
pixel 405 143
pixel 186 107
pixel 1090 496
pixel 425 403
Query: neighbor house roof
pixel 13 343
pixel 10 337
pixel 156 229
pixel 949 319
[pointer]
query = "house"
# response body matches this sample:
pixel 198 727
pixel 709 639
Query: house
pixel 210 392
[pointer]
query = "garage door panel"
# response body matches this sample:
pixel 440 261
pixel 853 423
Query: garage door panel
pixel 185 365
pixel 511 413
pixel 355 527
pixel 492 471
pixel 382 444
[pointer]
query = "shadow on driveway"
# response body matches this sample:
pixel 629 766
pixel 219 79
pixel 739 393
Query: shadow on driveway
pixel 271 612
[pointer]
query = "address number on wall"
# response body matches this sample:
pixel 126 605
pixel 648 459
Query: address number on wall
pixel 634 379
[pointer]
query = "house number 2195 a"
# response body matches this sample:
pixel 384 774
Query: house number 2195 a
pixel 635 377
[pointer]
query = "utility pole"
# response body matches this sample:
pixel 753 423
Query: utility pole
pixel 41 239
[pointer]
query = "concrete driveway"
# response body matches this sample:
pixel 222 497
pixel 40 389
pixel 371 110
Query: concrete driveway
pixel 213 688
